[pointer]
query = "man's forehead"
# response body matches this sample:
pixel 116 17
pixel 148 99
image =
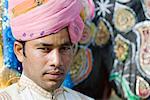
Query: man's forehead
pixel 52 44
pixel 60 38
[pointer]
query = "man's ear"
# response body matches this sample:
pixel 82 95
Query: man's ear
pixel 18 50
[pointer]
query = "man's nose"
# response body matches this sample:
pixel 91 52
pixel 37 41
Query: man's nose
pixel 55 58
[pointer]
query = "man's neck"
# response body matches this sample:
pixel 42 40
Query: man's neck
pixel 27 82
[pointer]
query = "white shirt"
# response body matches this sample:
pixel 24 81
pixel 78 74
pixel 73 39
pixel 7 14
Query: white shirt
pixel 26 89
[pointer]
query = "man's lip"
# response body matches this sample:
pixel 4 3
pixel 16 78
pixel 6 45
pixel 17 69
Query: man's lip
pixel 54 72
pixel 54 75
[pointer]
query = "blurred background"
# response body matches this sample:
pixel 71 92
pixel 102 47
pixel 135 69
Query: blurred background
pixel 113 57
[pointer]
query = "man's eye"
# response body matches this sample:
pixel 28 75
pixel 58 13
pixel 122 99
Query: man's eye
pixel 44 49
pixel 65 48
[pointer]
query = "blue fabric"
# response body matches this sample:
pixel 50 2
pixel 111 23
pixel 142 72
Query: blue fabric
pixel 68 81
pixel 10 59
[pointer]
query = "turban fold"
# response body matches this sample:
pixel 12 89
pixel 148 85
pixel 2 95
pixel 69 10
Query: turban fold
pixel 30 19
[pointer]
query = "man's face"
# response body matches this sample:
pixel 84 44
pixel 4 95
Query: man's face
pixel 47 59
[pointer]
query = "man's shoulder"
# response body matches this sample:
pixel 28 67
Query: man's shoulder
pixel 76 93
pixel 5 94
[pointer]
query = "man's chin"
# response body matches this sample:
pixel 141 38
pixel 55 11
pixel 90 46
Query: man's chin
pixel 52 85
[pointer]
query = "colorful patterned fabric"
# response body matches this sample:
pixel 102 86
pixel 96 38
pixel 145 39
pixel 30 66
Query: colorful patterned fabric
pixel 130 69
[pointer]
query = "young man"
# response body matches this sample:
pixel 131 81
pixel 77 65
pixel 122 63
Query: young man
pixel 45 32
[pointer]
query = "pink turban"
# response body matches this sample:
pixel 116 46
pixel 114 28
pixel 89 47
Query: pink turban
pixel 47 18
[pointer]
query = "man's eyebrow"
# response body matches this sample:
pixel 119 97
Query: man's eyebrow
pixel 66 43
pixel 43 44
pixel 48 44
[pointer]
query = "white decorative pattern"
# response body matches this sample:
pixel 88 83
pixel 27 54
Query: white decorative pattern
pixel 103 7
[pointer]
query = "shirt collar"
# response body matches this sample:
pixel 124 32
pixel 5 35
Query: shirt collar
pixel 25 82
